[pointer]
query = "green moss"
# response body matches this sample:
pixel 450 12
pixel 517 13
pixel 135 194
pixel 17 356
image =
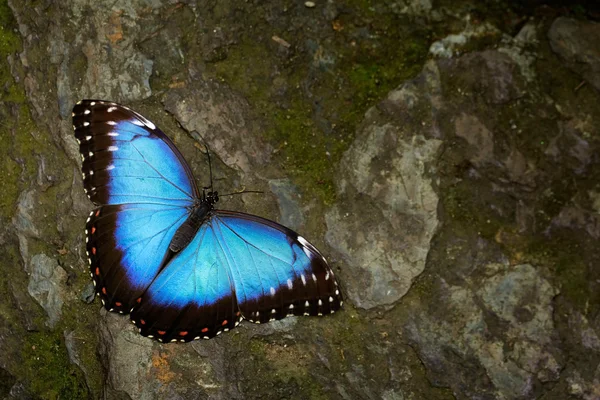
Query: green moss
pixel 10 43
pixel 467 206
pixel 566 255
pixel 281 371
pixel 47 368
pixel 312 102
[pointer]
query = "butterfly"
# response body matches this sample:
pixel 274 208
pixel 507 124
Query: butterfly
pixel 160 250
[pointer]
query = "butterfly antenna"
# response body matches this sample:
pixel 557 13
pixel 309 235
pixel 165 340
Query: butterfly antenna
pixel 209 166
pixel 242 192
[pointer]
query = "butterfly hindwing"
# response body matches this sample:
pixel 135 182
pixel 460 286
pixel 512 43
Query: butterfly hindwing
pixel 276 271
pixel 237 266
pixel 144 189
pixel 193 296
pixel 126 246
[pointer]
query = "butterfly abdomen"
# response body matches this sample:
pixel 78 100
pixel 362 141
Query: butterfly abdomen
pixel 186 232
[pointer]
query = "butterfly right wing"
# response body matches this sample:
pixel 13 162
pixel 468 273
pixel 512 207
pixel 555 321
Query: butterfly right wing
pixel 144 189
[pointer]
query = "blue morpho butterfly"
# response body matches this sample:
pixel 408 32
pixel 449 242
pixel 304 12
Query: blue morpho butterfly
pixel 160 250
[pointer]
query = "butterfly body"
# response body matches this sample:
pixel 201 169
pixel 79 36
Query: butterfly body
pixel 159 249
pixel 198 214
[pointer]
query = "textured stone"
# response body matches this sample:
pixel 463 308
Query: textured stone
pixel 216 116
pixel 387 214
pixel 577 43
pixel 47 286
pixel 515 298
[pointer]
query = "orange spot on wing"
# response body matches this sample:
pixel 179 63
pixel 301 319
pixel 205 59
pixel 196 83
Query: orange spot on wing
pixel 139 300
pixel 97 213
pixel 93 230
pixel 93 250
pixel 204 330
pixel 142 322
pixel 118 304
pixel 104 290
pixel 183 333
pixel 97 271
pixel 162 332
pixel 224 323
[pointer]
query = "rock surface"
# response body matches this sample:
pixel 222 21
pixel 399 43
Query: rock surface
pixel 445 160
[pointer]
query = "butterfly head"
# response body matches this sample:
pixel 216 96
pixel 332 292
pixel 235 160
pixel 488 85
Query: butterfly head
pixel 210 198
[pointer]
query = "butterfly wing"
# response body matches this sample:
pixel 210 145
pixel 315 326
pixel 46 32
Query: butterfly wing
pixel 238 265
pixel 276 272
pixel 193 296
pixel 143 187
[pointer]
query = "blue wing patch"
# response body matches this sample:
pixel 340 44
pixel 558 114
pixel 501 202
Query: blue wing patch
pixel 276 271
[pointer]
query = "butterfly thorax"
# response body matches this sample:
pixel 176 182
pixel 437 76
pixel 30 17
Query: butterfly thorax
pixel 199 213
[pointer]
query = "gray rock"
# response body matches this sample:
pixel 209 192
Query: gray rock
pixel 47 286
pixel 387 210
pixel 516 299
pixel 128 357
pixel 576 42
pixel 116 69
pixel 175 371
pixel 288 199
pixel 218 116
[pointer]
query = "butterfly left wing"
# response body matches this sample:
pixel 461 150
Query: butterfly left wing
pixel 144 189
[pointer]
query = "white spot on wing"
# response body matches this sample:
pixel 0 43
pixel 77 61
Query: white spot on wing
pixel 272 290
pixel 113 148
pixel 111 166
pixel 86 112
pixel 111 122
pixel 142 121
pixel 303 241
pixel 111 109
pixel 86 123
pixel 290 284
pixel 303 279
pixel 113 134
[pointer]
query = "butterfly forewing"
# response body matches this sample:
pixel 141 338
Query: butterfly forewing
pixel 126 159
